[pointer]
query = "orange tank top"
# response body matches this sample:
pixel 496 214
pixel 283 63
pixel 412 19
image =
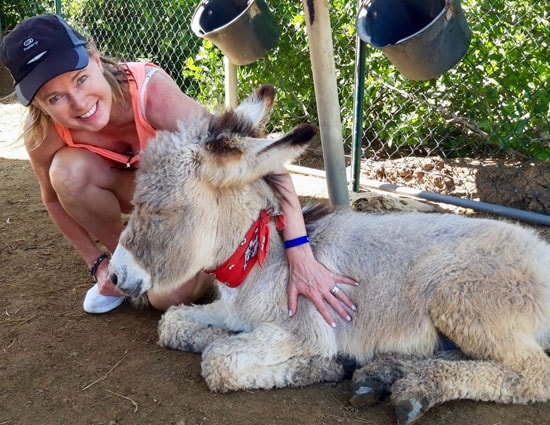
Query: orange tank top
pixel 138 78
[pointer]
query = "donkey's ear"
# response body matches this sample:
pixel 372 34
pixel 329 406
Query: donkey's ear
pixel 257 107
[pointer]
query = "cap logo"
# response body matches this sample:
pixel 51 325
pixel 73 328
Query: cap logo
pixel 29 43
pixel 37 57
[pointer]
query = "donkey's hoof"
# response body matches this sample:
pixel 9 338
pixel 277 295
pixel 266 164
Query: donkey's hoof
pixel 367 392
pixel 409 411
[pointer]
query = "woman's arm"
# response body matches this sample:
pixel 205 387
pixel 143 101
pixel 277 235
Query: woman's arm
pixel 307 276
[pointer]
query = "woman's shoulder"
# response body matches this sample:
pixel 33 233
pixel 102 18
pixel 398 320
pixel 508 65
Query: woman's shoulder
pixel 140 68
pixel 166 104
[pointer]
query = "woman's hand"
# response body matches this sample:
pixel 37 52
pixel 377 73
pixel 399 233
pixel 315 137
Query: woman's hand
pixel 307 276
pixel 313 280
pixel 106 287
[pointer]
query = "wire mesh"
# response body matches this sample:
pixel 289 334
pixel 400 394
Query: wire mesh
pixel 481 131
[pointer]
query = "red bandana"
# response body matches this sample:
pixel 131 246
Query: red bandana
pixel 252 249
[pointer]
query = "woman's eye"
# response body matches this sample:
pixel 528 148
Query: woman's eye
pixel 54 99
pixel 82 79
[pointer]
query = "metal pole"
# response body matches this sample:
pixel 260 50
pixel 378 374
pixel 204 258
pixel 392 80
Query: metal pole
pixel 527 216
pixel 230 81
pixel 358 96
pixel 326 95
pixel 58 7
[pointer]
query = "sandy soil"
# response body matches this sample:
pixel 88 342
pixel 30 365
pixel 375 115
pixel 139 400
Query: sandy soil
pixel 59 365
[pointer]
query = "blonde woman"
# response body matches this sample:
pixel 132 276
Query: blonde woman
pixel 89 118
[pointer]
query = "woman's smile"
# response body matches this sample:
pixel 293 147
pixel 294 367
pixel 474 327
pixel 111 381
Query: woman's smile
pixel 90 113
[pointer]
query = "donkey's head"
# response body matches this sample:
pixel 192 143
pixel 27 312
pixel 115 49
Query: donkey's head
pixel 198 190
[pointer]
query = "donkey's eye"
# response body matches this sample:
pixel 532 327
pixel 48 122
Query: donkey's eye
pixel 157 217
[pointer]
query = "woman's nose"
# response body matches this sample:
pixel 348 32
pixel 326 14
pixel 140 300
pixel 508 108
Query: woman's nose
pixel 78 102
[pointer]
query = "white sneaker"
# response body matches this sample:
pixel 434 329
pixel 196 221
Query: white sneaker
pixel 96 303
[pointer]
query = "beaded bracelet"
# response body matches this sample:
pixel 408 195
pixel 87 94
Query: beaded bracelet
pixel 97 262
pixel 296 242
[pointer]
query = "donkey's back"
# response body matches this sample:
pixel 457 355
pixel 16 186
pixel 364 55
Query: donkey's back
pixel 428 277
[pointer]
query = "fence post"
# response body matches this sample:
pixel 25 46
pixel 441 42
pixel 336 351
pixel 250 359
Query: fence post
pixel 326 94
pixel 230 82
pixel 358 98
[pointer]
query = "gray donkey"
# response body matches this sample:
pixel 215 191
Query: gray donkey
pixel 426 280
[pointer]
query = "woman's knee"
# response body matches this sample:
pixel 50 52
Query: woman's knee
pixel 71 171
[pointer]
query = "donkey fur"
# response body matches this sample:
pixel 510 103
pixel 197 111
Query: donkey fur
pixel 424 279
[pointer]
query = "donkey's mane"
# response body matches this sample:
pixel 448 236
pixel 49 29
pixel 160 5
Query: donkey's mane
pixel 316 211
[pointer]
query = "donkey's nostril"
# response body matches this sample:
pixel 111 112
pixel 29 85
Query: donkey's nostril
pixel 113 278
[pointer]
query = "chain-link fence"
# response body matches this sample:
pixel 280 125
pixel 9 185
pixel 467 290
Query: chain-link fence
pixel 481 131
pixel 473 133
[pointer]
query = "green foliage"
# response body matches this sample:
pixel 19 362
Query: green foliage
pixel 13 11
pixel 496 99
pixel 140 30
pixel 507 93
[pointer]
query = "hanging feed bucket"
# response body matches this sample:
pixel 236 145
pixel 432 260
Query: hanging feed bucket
pixel 422 38
pixel 243 30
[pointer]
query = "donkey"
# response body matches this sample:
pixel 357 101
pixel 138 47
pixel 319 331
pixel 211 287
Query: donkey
pixel 426 280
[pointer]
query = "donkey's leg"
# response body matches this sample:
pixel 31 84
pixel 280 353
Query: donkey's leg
pixel 268 357
pixel 372 383
pixel 192 328
pixel 514 367
pixel 496 321
pixel 426 383
pixel 491 308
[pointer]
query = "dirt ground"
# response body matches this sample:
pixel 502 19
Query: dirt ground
pixel 59 365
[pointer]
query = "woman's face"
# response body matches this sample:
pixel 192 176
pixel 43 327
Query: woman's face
pixel 79 100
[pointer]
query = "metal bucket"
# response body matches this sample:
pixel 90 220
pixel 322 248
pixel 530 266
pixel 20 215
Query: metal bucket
pixel 422 38
pixel 243 30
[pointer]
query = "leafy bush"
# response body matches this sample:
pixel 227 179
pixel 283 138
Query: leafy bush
pixel 495 100
pixel 13 11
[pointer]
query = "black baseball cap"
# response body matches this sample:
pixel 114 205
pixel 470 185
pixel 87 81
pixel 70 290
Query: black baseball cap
pixel 39 49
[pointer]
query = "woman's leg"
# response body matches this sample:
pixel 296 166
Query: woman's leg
pixel 93 192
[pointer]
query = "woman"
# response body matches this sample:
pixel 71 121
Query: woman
pixel 89 118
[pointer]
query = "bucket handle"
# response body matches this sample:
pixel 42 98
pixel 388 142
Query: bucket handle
pixel 451 10
pixel 248 2
pixel 364 3
pixel 449 5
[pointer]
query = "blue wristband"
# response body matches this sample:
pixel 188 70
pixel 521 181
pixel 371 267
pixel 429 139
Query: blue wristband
pixel 296 242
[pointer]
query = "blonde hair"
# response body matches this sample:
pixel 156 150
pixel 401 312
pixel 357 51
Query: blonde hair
pixel 37 122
